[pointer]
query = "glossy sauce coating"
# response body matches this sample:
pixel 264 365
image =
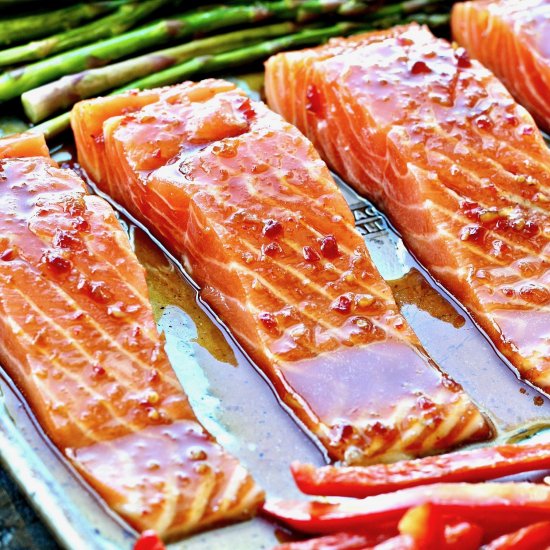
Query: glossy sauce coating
pixel 459 167
pixel 246 203
pixel 77 336
pixel 512 39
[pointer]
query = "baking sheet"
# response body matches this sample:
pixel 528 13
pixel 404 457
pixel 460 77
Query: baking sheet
pixel 235 402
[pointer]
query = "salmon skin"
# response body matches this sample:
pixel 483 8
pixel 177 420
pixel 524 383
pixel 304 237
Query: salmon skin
pixel 243 199
pixel 77 336
pixel 437 142
pixel 512 39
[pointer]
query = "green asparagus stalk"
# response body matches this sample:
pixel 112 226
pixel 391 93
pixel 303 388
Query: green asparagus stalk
pixel 40 103
pixel 17 29
pixel 112 25
pixel 242 56
pixel 245 56
pixel 262 51
pixel 14 83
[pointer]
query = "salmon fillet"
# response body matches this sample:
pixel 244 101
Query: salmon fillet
pixel 512 39
pixel 461 170
pixel 77 336
pixel 247 205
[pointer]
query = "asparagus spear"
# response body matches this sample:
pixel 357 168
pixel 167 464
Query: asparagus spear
pixel 244 56
pixel 41 102
pixel 127 15
pixel 16 29
pixel 262 51
pixel 14 83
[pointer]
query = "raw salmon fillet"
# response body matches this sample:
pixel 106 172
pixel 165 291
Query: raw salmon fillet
pixel 512 39
pixel 78 338
pixel 461 170
pixel 243 199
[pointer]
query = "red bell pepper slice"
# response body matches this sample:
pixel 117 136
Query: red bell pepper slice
pixel 338 541
pixel 425 525
pixel 429 529
pixel 149 540
pixel 476 465
pixel 401 542
pixel 493 506
pixel 463 536
pixel 532 537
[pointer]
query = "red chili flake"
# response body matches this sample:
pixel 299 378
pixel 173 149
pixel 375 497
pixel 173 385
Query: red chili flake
pixel 314 100
pixel 420 67
pixel 56 262
pixel 404 41
pixel 512 119
pixel 268 319
pixel 80 224
pixel 535 293
pixel 508 292
pixel 425 403
pixel 272 249
pixel 66 239
pixel 530 228
pixel 99 370
pixel 154 376
pixel 149 540
pixel 329 247
pixel 472 233
pixel 246 109
pixel 96 290
pixel 7 255
pixel 75 207
pixel 272 229
pixel 527 131
pixel 462 58
pixel 342 304
pixel 483 122
pixel 471 210
pixel 310 254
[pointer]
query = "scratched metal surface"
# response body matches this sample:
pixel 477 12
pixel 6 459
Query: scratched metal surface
pixel 237 405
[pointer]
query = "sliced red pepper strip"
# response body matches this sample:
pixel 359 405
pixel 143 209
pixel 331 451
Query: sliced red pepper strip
pixel 476 465
pixel 463 536
pixel 339 541
pixel 429 529
pixel 532 537
pixel 425 525
pixel 493 506
pixel 149 540
pixel 401 542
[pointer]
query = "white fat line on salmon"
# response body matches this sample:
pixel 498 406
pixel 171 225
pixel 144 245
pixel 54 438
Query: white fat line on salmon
pixel 387 329
pixel 454 215
pixel 472 248
pixel 171 497
pixel 122 241
pixel 80 380
pixel 201 499
pixel 435 125
pixel 507 196
pixel 94 253
pixel 105 336
pixel 538 102
pixel 385 297
pixel 52 397
pixel 503 146
pixel 404 406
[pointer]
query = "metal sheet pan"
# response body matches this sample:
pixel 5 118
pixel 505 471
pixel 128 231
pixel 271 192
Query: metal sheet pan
pixel 235 402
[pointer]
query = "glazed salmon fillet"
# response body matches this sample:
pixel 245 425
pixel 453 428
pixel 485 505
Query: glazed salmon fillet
pixel 512 39
pixel 77 336
pixel 460 168
pixel 247 205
